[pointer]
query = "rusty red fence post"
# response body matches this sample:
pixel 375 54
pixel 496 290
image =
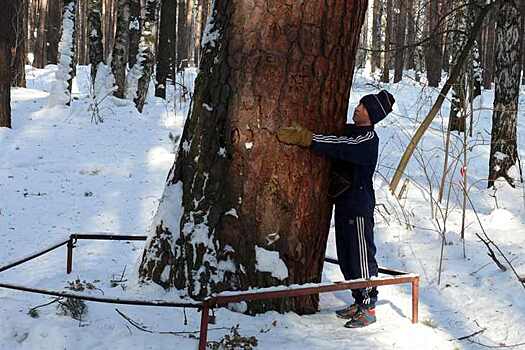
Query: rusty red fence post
pixel 70 246
pixel 205 316
pixel 415 299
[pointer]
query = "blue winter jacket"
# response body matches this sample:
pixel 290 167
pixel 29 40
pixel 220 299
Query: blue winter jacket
pixel 355 154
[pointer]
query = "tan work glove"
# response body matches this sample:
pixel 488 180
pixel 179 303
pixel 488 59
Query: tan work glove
pixel 295 135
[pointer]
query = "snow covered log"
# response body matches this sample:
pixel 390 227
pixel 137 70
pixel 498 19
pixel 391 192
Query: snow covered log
pixel 240 209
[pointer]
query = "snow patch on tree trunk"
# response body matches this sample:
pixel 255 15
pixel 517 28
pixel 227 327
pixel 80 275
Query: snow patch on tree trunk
pixel 269 261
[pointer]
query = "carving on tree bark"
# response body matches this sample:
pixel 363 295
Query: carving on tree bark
pixel 234 193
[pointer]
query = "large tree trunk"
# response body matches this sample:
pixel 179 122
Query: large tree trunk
pixel 7 42
pixel 240 209
pixel 144 66
pixel 96 49
pixel 135 27
pixel 54 20
pixel 401 22
pixel 167 36
pixel 19 28
pixel 503 146
pixel 385 76
pixel 120 54
pixel 376 34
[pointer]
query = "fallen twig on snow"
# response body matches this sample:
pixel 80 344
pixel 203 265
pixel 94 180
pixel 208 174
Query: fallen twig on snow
pixel 145 329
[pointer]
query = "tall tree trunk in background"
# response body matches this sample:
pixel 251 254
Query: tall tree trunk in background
pixel 135 27
pixel 503 146
pixel 385 76
pixel 7 41
pixel 434 54
pixel 119 59
pixel 183 34
pixel 401 22
pixel 167 34
pixel 197 30
pixel 108 22
pixel 376 34
pixel 60 93
pixel 362 52
pixel 40 39
pixel 411 35
pixel 240 209
pixel 459 89
pixel 31 23
pixel 148 40
pixel 82 40
pixel 96 49
pixel 54 19
pixel 19 29
pixel 489 40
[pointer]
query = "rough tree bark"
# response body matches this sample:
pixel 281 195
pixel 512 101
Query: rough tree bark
pixel 376 34
pixel 167 41
pixel 120 54
pixel 401 23
pixel 503 146
pixel 135 27
pixel 19 29
pixel 146 53
pixel 385 76
pixel 96 49
pixel 7 41
pixel 240 209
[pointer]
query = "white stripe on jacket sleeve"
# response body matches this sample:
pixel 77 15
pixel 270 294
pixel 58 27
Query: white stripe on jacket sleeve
pixel 343 139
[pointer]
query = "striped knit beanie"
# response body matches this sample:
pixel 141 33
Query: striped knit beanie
pixel 378 105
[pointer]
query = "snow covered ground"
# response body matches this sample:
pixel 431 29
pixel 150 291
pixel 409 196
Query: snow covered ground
pixel 60 173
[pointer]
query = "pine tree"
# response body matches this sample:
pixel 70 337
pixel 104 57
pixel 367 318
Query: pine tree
pixel 7 42
pixel 236 196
